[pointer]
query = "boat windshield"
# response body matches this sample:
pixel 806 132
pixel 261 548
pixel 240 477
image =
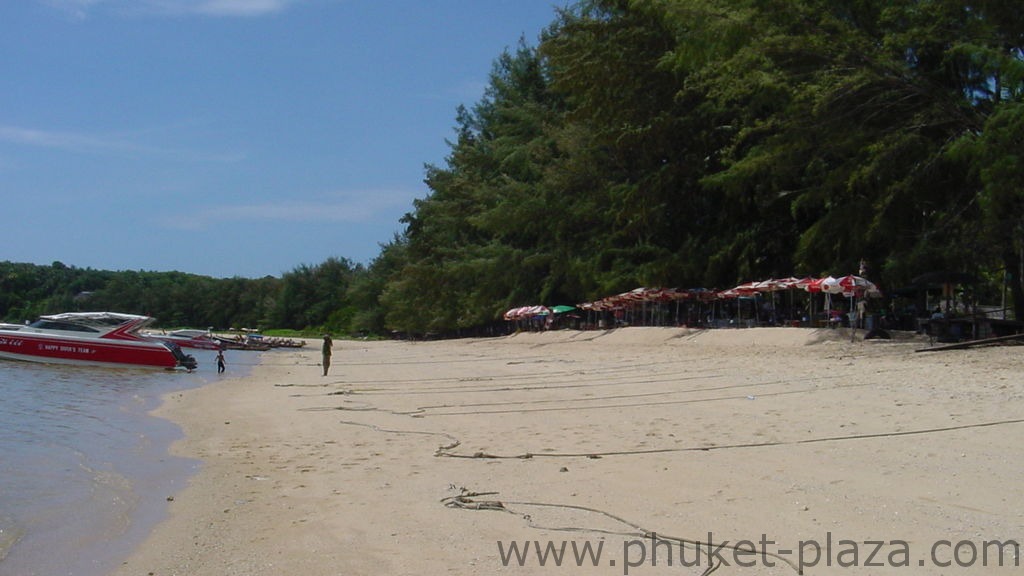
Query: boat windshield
pixel 58 325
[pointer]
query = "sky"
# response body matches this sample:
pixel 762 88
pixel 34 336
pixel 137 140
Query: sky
pixel 232 137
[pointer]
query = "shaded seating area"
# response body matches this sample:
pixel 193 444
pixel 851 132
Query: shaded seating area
pixel 807 301
pixel 945 309
pixel 932 305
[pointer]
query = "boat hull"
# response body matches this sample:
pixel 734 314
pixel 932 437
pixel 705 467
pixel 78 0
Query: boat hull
pixel 43 348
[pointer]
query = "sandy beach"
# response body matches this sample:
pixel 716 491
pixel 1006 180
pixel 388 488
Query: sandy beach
pixel 439 457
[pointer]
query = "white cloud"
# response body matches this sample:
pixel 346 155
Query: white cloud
pixel 242 8
pixel 107 145
pixel 63 140
pixel 77 9
pixel 81 9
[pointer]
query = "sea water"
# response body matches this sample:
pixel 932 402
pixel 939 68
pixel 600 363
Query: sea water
pixel 85 471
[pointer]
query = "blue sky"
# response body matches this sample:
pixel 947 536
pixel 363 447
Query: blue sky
pixel 232 137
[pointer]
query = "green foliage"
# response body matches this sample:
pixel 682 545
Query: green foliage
pixel 318 295
pixel 681 143
pixel 174 298
pixel 673 143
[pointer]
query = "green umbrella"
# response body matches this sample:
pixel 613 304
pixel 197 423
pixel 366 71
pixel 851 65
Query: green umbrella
pixel 562 309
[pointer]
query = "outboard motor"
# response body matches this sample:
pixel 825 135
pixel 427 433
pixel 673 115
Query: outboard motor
pixel 186 361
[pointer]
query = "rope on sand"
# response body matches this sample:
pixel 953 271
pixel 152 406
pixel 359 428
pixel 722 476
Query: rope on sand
pixel 454 441
pixel 428 411
pixel 527 455
pixel 468 500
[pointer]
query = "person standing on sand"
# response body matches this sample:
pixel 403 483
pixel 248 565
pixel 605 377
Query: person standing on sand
pixel 326 352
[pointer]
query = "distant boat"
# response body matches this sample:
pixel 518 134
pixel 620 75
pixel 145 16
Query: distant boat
pixel 275 342
pixel 188 338
pixel 258 342
pixel 92 338
pixel 242 343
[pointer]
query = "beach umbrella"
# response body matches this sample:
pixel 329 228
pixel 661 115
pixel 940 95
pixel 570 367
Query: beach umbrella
pixel 634 295
pixel 853 287
pixel 787 283
pixel 769 285
pixel 831 285
pixel 700 295
pixel 562 309
pixel 513 313
pixel 629 300
pixel 746 289
pixel 803 283
pixel 591 307
pixel 856 285
pixel 661 294
pixel 817 285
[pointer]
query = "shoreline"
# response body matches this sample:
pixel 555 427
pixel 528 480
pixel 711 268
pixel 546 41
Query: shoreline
pixel 82 460
pixel 790 434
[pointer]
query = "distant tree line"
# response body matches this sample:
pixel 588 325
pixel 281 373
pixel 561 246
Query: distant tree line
pixel 678 143
pixel 308 298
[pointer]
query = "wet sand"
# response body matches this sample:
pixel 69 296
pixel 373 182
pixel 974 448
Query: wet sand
pixel 434 457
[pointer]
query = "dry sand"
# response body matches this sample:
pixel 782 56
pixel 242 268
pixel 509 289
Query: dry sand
pixel 783 435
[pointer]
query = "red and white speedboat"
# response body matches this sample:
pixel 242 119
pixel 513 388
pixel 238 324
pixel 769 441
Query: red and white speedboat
pixel 98 338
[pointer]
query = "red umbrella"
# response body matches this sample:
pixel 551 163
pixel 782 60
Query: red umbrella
pixel 769 285
pixel 818 285
pixel 513 313
pixel 802 283
pixel 855 285
pixel 747 289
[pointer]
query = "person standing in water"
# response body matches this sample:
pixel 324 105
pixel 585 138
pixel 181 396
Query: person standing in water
pixel 220 361
pixel 326 352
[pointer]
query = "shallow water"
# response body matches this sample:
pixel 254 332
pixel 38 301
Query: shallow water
pixel 84 470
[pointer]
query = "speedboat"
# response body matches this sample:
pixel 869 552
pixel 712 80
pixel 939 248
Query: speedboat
pixel 96 338
pixel 187 338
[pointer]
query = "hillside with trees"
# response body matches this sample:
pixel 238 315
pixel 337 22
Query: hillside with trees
pixel 707 142
pixel 308 298
pixel 678 143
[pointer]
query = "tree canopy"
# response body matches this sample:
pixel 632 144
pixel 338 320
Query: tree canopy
pixel 678 143
pixel 706 142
